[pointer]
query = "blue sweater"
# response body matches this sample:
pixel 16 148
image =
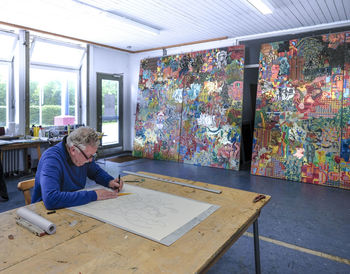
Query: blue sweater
pixel 57 179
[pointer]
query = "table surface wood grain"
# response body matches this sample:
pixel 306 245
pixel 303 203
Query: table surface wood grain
pixel 84 245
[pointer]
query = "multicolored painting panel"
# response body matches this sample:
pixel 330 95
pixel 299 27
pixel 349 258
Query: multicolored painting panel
pixel 158 114
pixel 212 110
pixel 301 121
pixel 203 91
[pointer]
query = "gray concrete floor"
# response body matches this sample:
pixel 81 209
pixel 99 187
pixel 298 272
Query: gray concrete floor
pixel 304 229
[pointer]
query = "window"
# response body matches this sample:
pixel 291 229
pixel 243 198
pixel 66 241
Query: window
pixel 8 42
pixel 53 93
pixel 3 93
pixel 54 83
pixel 59 54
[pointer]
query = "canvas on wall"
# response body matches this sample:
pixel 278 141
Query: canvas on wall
pixel 190 106
pixel 302 111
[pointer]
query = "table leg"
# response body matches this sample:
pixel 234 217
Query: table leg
pixel 256 247
pixel 26 158
pixel 39 151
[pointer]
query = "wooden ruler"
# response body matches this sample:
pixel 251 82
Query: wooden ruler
pixel 172 182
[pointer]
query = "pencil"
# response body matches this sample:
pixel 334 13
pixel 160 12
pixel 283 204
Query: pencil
pixel 124 193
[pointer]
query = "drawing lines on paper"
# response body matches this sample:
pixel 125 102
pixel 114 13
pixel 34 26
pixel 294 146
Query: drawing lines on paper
pixel 147 211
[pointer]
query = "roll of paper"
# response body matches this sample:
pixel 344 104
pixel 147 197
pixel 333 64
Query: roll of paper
pixel 35 219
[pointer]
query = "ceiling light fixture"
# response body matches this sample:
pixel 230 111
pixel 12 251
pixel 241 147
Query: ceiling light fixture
pixel 123 19
pixel 260 6
pixel 128 22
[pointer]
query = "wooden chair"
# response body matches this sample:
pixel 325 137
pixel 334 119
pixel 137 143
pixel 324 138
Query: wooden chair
pixel 25 187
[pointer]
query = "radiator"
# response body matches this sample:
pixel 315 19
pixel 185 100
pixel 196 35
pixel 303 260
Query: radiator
pixel 13 161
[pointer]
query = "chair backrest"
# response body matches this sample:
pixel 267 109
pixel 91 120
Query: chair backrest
pixel 25 187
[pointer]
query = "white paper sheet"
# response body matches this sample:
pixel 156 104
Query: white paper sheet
pixel 159 216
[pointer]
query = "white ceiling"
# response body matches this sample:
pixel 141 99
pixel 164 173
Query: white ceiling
pixel 179 21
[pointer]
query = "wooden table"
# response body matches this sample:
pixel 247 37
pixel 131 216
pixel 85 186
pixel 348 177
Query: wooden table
pixel 24 144
pixel 85 245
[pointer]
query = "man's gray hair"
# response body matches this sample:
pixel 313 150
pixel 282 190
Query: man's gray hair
pixel 82 137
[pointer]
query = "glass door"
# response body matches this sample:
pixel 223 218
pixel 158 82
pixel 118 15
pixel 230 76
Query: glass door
pixel 109 109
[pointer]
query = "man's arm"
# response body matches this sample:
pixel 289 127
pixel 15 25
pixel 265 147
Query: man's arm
pixel 97 174
pixel 53 198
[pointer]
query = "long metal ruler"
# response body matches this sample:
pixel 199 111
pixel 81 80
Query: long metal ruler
pixel 172 182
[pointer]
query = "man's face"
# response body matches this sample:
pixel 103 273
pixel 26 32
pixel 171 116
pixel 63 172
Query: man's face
pixel 82 156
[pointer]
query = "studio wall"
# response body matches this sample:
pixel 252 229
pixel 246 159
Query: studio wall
pixel 189 108
pixel 302 117
pixel 109 61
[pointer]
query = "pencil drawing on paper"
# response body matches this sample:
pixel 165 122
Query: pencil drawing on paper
pixel 147 211
pixel 152 214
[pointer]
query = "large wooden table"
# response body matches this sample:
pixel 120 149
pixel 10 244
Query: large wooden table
pixel 84 245
pixel 21 145
pixel 24 144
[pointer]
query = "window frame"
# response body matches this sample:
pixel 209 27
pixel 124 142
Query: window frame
pixel 58 43
pixel 10 94
pixel 78 86
pixel 9 91
pixel 55 67
pixel 16 36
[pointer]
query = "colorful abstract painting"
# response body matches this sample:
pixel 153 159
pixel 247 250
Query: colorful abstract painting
pixel 302 122
pixel 190 106
pixel 158 114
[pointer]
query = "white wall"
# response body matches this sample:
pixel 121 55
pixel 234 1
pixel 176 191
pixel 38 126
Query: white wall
pixel 105 60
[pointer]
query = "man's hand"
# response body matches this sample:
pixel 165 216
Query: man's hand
pixel 116 184
pixel 103 194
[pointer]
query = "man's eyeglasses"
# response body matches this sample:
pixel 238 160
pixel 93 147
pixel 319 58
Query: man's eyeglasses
pixel 93 156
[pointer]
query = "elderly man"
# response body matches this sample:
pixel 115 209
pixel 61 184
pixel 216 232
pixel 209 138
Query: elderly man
pixel 63 170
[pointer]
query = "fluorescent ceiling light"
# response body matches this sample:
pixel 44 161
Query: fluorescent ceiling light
pixel 122 19
pixel 260 6
pixel 130 23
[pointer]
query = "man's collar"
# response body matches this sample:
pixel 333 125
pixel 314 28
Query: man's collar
pixel 69 159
